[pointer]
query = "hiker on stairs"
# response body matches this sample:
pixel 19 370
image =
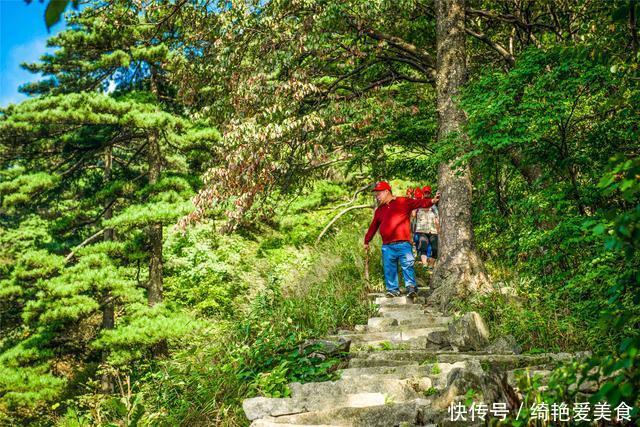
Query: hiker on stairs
pixel 417 194
pixel 427 226
pixel 392 218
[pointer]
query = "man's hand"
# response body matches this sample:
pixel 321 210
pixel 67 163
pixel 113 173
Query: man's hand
pixel 366 247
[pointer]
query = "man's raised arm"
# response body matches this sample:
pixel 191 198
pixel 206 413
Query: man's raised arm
pixel 423 203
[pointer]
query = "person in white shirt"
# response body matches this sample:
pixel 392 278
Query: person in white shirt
pixel 427 226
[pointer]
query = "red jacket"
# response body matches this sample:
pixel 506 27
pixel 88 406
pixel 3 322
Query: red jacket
pixel 393 219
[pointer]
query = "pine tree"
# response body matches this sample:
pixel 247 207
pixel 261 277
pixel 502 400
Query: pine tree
pixel 103 168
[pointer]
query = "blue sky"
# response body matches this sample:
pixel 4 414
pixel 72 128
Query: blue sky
pixel 23 37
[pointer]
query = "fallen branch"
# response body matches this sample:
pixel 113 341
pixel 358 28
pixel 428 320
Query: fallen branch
pixel 338 217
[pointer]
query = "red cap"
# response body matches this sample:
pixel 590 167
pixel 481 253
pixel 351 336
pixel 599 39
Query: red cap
pixel 417 193
pixel 382 185
pixel 426 189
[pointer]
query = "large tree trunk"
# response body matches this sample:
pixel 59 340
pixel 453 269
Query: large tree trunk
pixel 460 270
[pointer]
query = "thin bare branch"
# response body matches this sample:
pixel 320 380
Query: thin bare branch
pixel 338 217
pixel 85 242
pixel 508 57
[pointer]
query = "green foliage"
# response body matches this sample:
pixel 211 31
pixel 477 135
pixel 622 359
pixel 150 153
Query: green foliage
pixel 385 346
pixel 470 396
pixel 298 92
pixel 431 391
pixel 256 351
pixel 542 137
pixel 55 9
pixel 621 370
pixel 143 329
pixel 205 270
pixel 73 227
pixel 565 216
pixel 22 188
pixel 236 309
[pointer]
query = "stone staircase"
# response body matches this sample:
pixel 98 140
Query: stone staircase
pixel 406 367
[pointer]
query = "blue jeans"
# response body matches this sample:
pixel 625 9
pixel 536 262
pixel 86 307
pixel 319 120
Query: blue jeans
pixel 393 253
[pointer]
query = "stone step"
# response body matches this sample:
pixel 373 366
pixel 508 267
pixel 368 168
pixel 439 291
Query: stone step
pixel 500 361
pixel 376 324
pixel 383 327
pixel 402 300
pixel 267 423
pixel 260 407
pixel 401 307
pixel 382 415
pixel 411 413
pixel 367 363
pixel 411 316
pixel 374 295
pixel 401 372
pixel 420 343
pixel 422 292
pixel 389 324
pixel 399 390
pixel 403 333
pixel 436 372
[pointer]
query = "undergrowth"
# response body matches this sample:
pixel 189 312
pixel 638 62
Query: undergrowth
pixel 261 293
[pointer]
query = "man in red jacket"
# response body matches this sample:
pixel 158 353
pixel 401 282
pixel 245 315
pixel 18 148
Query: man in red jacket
pixel 392 218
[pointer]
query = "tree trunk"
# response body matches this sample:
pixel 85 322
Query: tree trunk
pixel 108 206
pixel 633 29
pixel 107 385
pixel 154 288
pixel 460 270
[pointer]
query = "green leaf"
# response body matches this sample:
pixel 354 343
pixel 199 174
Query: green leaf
pixel 626 389
pixel 54 11
pixel 599 229
pixel 625 344
pixel 621 13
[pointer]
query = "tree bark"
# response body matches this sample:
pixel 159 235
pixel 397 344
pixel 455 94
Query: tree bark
pixel 460 271
pixel 154 287
pixel 108 312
